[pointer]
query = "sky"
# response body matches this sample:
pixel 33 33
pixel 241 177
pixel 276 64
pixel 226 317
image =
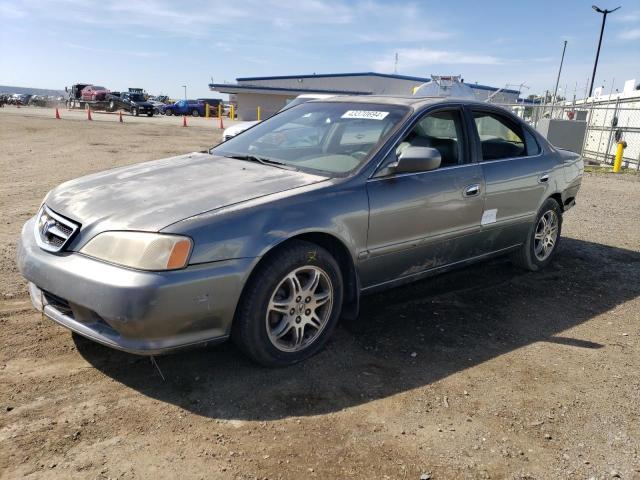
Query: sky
pixel 161 45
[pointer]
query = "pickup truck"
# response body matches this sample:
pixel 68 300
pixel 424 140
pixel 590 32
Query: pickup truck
pixel 185 107
pixel 133 102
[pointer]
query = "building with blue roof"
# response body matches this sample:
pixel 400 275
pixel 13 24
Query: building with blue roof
pixel 272 93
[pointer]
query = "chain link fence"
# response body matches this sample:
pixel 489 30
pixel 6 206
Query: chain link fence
pixel 606 122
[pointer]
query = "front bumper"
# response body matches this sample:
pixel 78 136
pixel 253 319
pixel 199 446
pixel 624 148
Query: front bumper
pixel 131 310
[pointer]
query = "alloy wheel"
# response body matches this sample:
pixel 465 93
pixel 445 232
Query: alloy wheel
pixel 546 235
pixel 299 309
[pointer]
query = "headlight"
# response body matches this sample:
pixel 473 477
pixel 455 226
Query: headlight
pixel 142 250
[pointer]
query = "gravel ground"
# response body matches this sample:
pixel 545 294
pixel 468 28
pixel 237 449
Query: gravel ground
pixel 486 372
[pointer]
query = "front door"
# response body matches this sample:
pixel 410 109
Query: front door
pixel 421 221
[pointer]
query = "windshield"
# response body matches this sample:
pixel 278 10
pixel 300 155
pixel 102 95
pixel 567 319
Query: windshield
pixel 329 137
pixel 136 97
pixel 294 102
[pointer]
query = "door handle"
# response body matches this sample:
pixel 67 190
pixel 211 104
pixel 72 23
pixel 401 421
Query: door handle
pixel 472 190
pixel 543 178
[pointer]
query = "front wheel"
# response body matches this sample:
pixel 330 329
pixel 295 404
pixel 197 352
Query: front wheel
pixel 542 240
pixel 168 112
pixel 290 306
pixel 195 113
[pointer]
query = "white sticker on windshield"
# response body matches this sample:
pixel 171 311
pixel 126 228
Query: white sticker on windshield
pixel 365 114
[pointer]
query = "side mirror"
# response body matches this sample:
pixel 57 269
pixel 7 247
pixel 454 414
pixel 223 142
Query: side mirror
pixel 418 159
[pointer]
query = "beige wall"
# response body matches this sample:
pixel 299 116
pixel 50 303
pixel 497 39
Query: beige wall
pixel 269 104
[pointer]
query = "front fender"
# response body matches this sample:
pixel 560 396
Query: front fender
pixel 253 228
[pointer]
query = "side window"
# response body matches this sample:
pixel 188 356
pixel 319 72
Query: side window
pixel 439 130
pixel 532 144
pixel 497 138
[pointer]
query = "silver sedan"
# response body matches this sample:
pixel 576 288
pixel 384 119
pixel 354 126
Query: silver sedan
pixel 272 236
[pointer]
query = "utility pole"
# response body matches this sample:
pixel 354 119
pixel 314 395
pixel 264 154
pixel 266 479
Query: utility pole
pixel 555 92
pixel 185 91
pixel 395 64
pixel 604 20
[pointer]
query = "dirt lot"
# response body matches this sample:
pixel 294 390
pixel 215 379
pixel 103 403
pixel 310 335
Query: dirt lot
pixel 488 372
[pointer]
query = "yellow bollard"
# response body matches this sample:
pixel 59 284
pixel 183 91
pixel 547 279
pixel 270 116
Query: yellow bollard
pixel 220 110
pixel 232 112
pixel 258 113
pixel 617 163
pixel 207 109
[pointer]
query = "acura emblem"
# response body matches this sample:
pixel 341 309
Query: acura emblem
pixel 47 226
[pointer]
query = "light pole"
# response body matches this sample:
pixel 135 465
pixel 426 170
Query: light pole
pixel 555 92
pixel 604 19
pixel 185 91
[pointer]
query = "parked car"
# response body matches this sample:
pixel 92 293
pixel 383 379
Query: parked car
pixel 212 102
pixel 93 93
pixel 20 99
pixel 273 235
pixel 156 105
pixel 234 130
pixel 185 107
pixel 132 102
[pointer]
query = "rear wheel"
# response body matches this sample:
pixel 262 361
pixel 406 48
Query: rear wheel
pixel 542 240
pixel 290 306
pixel 168 112
pixel 195 113
pixel 112 106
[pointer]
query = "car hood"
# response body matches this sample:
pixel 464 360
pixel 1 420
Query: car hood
pixel 239 127
pixel 152 195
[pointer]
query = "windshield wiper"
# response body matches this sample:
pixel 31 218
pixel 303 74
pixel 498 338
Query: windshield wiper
pixel 264 161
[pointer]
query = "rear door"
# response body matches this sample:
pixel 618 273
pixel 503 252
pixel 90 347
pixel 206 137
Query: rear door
pixel 517 174
pixel 425 220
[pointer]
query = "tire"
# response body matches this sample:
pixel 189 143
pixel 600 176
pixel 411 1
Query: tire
pixel 195 113
pixel 537 252
pixel 135 111
pixel 150 114
pixel 281 338
pixel 112 106
pixel 168 112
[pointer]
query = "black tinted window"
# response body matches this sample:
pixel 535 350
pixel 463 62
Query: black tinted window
pixel 498 137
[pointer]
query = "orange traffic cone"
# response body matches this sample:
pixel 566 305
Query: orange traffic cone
pixel 89 114
pixel 184 120
pixel 121 121
pixel 57 114
pixel 221 125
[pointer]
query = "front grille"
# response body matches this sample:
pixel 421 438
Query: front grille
pixel 53 232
